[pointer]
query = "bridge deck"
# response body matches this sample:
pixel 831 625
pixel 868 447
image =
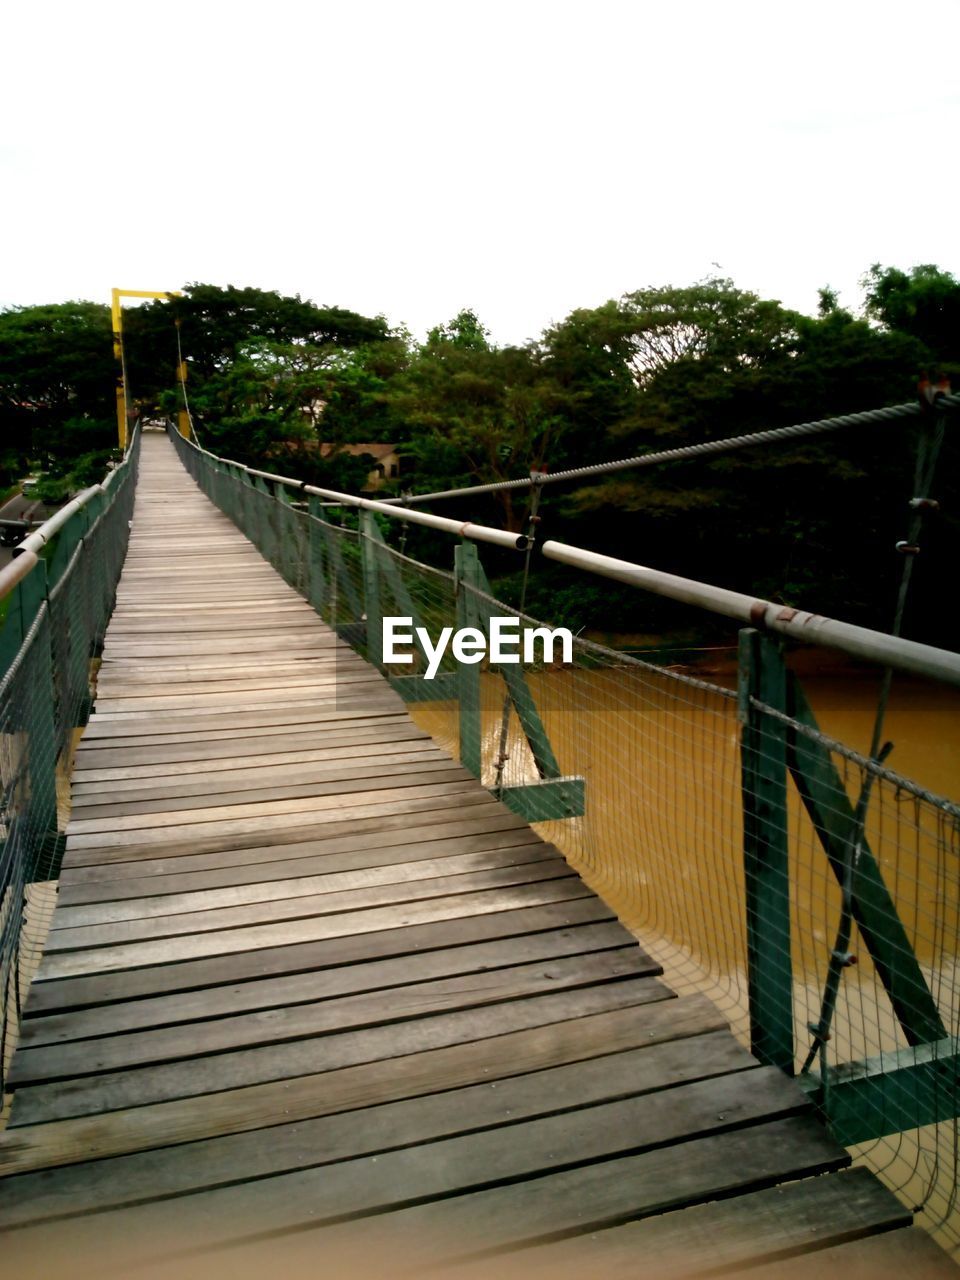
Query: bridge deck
pixel 310 987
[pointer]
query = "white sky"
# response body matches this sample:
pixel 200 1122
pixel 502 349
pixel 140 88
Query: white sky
pixel 523 159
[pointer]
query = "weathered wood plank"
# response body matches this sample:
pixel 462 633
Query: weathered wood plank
pixel 302 887
pixel 303 988
pixel 315 826
pixel 104 1184
pixel 243 1110
pixel 112 1091
pixel 212 775
pixel 371 846
pixel 453 930
pixel 157 828
pixel 614 1188
pixel 228 1033
pixel 167 951
pixel 759 1229
pixel 261 788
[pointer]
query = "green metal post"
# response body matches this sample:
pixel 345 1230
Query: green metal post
pixel 41 725
pixel 467 572
pixel 763 771
pixel 522 699
pixel 318 583
pixel 369 535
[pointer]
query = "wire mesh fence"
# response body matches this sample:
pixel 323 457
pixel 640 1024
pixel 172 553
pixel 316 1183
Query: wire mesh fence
pixel 812 893
pixel 52 631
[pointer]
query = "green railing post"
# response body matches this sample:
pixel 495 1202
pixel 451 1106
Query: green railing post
pixel 467 572
pixel 763 772
pixel 319 586
pixel 369 536
pixel 40 720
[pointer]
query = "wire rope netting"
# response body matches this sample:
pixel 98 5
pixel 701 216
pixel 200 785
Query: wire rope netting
pixel 660 760
pixel 53 627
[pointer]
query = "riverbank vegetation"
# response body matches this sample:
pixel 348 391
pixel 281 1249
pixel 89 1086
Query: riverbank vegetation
pixel 271 378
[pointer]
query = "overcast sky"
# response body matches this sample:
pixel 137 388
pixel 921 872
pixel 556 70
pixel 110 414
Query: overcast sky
pixel 522 159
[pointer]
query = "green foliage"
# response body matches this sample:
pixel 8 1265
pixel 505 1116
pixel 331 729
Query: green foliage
pixel 467 411
pixel 57 378
pixel 69 474
pixel 358 402
pixel 923 302
pixel 260 369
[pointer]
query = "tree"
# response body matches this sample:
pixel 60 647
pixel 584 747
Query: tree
pixel 358 404
pixel 474 413
pixel 57 380
pixel 796 522
pixel 923 302
pixel 259 367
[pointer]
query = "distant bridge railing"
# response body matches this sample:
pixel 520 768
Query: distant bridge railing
pixel 810 890
pixel 56 596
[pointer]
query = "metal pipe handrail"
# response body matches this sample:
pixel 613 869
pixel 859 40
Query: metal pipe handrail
pixel 27 553
pixel 37 540
pixel 16 570
pixel 460 528
pixel 812 628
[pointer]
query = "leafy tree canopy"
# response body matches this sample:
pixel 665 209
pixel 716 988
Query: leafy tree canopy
pixel 923 302
pixel 57 380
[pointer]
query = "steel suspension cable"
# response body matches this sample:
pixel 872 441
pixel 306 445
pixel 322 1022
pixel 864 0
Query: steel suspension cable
pixel 183 384
pixel 705 448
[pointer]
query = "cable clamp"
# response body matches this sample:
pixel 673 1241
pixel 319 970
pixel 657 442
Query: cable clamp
pixel 907 548
pixel 845 958
pixel 924 504
pixel 930 392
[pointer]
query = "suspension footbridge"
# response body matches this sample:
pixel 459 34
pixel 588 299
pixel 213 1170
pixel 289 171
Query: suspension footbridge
pixel 312 990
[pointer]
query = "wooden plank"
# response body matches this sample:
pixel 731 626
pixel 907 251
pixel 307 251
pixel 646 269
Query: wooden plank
pixel 231 819
pixel 369 696
pixel 230 971
pixel 292 768
pixel 752 1233
pixel 103 1184
pixel 339 720
pixel 280 786
pixel 316 826
pixel 370 846
pixel 572 1202
pixel 302 887
pixel 113 1091
pixel 759 1229
pixel 618 1186
pixel 304 988
pixel 264 740
pixel 277 782
pixel 243 1110
pixel 123 1049
pixel 167 951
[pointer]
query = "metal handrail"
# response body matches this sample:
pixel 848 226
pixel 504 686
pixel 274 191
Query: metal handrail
pixel 27 553
pixel 812 628
pixel 459 528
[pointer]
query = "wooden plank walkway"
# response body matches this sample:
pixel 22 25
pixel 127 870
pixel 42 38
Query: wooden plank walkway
pixel 312 995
